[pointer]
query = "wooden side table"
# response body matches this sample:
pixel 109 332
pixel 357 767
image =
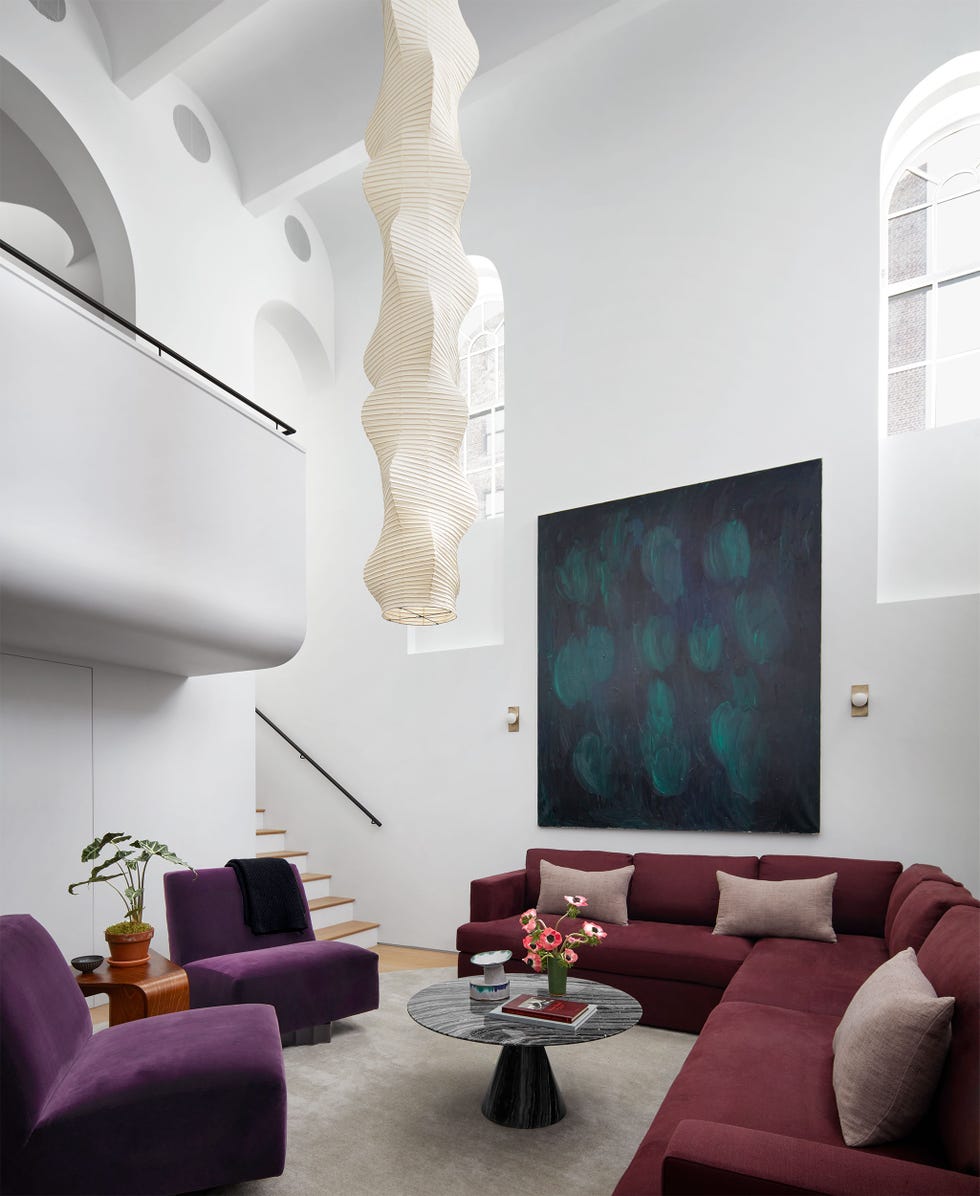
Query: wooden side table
pixel 159 986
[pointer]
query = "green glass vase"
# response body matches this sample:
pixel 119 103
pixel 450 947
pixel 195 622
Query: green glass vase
pixel 557 978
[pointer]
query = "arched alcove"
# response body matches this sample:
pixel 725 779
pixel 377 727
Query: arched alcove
pixel 929 375
pixel 76 195
pixel 291 364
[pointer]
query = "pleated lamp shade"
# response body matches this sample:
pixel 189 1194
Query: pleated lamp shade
pixel 415 417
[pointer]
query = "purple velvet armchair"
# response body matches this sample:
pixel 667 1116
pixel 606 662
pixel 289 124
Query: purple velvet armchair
pixel 309 983
pixel 169 1104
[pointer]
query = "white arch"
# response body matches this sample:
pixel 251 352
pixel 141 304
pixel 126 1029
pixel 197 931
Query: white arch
pixel 315 366
pixel 67 155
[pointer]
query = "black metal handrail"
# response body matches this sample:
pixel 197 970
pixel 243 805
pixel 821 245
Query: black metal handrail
pixel 160 347
pixel 304 755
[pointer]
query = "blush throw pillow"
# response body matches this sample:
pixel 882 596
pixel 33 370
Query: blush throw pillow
pixel 604 891
pixel 788 909
pixel 889 1051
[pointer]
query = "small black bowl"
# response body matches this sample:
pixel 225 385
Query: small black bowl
pixel 86 963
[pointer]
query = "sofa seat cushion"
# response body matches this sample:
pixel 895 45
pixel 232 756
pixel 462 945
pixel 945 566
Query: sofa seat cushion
pixel 807 975
pixel 308 983
pixel 655 950
pixel 208 1084
pixel 760 1067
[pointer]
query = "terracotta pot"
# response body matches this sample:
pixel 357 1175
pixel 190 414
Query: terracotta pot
pixel 129 950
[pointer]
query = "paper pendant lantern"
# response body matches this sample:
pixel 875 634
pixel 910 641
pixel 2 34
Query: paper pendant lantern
pixel 416 184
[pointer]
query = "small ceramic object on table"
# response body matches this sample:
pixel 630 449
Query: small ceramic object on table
pixel 494 986
pixel 86 963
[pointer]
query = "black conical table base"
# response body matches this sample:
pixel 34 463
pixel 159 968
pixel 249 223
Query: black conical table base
pixel 523 1093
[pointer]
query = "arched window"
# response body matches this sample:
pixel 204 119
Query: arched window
pixel 931 279
pixel 481 375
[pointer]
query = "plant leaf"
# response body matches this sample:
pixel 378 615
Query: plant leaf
pixel 96 846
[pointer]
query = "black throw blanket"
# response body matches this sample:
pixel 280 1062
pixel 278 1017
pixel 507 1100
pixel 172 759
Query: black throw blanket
pixel 273 902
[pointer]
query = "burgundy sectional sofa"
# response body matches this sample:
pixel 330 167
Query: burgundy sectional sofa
pixel 753 1108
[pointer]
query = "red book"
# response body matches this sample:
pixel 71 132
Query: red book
pixel 549 1009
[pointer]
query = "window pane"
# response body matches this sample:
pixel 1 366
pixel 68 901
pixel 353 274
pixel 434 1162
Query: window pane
pixel 907 246
pixel 478 443
pixel 958 232
pixel 958 390
pixel 483 380
pixel 907 327
pixel 910 190
pixel 907 401
pixel 954 152
pixel 958 316
pixel 482 485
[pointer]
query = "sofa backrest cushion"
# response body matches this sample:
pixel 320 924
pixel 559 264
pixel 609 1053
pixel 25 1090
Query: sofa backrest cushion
pixel 604 892
pixel 683 888
pixel 44 1023
pixel 921 911
pixel 860 895
pixel 584 861
pixel 950 961
pixel 206 916
pixel 913 875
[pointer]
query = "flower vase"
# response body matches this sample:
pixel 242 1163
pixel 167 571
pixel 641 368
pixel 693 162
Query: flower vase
pixel 557 977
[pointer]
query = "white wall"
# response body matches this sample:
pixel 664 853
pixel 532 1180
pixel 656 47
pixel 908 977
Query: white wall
pixel 684 217
pixel 90 749
pixel 171 759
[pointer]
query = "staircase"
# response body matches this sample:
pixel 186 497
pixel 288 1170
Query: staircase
pixel 332 917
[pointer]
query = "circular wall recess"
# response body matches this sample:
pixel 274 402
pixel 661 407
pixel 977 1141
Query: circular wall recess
pixel 192 134
pixel 54 10
pixel 298 238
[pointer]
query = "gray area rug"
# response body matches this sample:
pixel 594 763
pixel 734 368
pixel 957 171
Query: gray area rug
pixel 391 1109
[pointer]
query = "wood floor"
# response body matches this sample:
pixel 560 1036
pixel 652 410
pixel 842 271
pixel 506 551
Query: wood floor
pixel 390 959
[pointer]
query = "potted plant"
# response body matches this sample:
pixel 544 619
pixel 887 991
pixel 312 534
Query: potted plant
pixel 127 860
pixel 551 952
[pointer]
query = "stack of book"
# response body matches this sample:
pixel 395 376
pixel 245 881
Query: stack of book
pixel 556 1011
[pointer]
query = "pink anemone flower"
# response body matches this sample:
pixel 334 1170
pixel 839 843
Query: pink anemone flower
pixel 578 902
pixel 549 939
pixel 594 931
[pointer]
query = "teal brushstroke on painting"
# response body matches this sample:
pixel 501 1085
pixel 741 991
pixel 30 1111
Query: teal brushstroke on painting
pixel 727 554
pixel 576 576
pixel 593 763
pixel 656 642
pixel 660 709
pixel 761 625
pixel 614 541
pixel 668 766
pixel 666 757
pixel 704 643
pixel 738 741
pixel 582 664
pixel 661 563
pixel 745 690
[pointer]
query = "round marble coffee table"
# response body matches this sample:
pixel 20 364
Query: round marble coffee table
pixel 523 1093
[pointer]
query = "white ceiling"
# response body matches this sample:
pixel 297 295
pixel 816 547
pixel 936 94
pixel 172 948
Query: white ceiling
pixel 291 83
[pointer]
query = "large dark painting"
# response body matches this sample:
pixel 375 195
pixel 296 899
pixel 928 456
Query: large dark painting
pixel 679 658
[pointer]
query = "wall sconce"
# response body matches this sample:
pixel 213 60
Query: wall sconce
pixel 859 701
pixel 513 718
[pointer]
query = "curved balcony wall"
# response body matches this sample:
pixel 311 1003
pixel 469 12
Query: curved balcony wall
pixel 146 520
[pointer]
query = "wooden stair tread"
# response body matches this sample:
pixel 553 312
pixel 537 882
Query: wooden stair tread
pixel 266 830
pixel 343 929
pixel 307 877
pixel 278 855
pixel 329 902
